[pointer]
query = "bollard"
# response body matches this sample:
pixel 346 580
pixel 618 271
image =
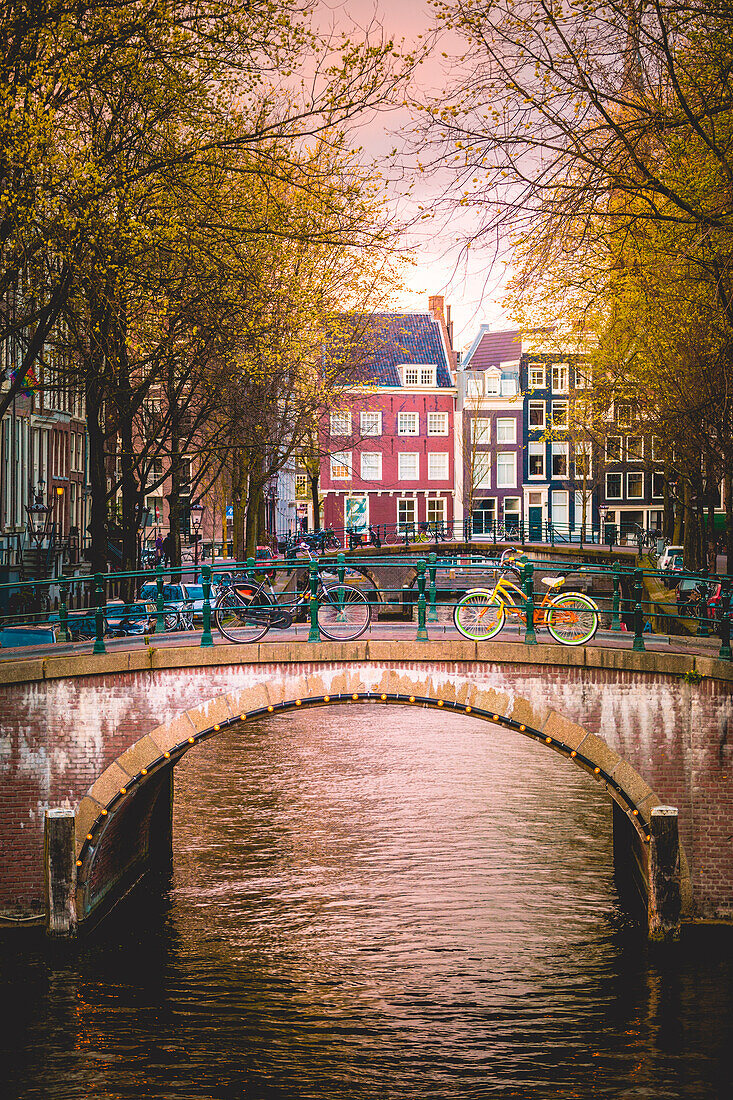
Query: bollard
pixel 665 895
pixel 100 603
pixel 422 632
pixel 314 634
pixel 638 613
pixel 159 603
pixel 432 594
pixel 530 638
pixel 724 652
pixel 60 867
pixel 64 633
pixel 206 639
pixel 616 613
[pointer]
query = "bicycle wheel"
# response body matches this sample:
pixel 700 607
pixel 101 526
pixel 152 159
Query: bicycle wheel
pixel 479 616
pixel 343 613
pixel 572 618
pixel 240 621
pixel 171 619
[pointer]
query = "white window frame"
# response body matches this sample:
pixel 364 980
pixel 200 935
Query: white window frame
pixel 427 375
pixel 481 473
pixel 481 430
pixel 620 476
pixel 370 423
pixel 437 423
pixel 435 510
pixel 534 406
pixel 443 472
pixel 340 461
pixel 539 372
pixel 510 467
pixel 559 407
pixel 340 423
pixel 536 449
pixel 410 375
pixel 560 450
pixel 635 439
pixel 492 383
pixel 402 457
pixel 634 474
pixel 404 419
pixel 620 439
pixel 406 504
pixel 504 423
pixel 474 385
pixel 370 455
pixel 561 376
pixel 658 474
pixel 560 498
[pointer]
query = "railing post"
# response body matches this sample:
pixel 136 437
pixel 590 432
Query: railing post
pixel 64 635
pixel 422 632
pixel 341 570
pixel 530 637
pixel 314 634
pixel 616 613
pixel 703 629
pixel 206 639
pixel 159 603
pixel 100 602
pixel 432 594
pixel 724 652
pixel 250 569
pixel 638 612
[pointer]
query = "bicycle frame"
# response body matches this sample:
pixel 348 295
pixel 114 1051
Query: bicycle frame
pixel 504 590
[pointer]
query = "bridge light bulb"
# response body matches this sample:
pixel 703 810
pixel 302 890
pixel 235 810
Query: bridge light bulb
pixel 573 753
pixel 522 729
pixel 123 790
pixel 412 698
pixel 326 698
pixel 383 698
pixel 78 863
pixel 440 702
pixel 104 813
pixel 298 702
pixel 89 836
pixel 190 740
pixel 468 710
pixel 635 813
pixel 548 740
pixel 270 709
pixel 217 728
pixel 355 696
pixel 167 755
pixel 597 771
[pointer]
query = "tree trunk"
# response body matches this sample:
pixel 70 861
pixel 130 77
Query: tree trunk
pixel 729 523
pixel 97 474
pixel 313 480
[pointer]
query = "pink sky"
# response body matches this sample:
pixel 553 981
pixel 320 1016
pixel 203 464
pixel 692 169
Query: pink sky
pixel 473 295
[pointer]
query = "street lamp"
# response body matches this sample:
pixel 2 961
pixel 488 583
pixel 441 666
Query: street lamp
pixel 38 515
pixel 196 513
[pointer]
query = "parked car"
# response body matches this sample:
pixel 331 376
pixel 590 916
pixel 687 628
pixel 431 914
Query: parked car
pixel 177 605
pixel 130 618
pixel 665 559
pixel 688 595
pixel 12 636
pixel 196 595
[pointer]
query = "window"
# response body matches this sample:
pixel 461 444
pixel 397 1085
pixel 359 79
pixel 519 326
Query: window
pixel 483 517
pixel 511 513
pixel 436 511
pixel 536 414
pixel 410 376
pixel 560 378
pixel 371 466
pixel 480 429
pixel 371 423
pixel 408 423
pixel 73 450
pixel 302 486
pixel 560 514
pixel 493 383
pixel 437 467
pixel 406 513
pixel 427 376
pixel 341 466
pixel 408 466
pixel 536 460
pixel 634 486
pixel 341 423
pixel 506 430
pixel 482 471
pixel 634 448
pixel 437 423
pixel 613 448
pixel 474 386
pixel 623 416
pixel 583 460
pixel 506 470
pixel 656 450
pixel 559 459
pixel 613 487
pixel 155 510
pixel 559 414
pixel 658 484
pixel 536 376
pixel 582 379
pixel 509 387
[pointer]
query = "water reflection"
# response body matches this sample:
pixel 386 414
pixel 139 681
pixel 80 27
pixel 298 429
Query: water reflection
pixel 375 902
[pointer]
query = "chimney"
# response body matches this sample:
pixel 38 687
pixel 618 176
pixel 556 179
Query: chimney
pixel 449 326
pixel 436 305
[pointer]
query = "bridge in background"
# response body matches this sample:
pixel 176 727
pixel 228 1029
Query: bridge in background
pixel 88 745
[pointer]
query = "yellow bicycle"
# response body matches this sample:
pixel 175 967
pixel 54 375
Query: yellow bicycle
pixel 570 617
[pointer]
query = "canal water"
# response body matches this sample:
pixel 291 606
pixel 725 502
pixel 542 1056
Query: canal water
pixel 374 902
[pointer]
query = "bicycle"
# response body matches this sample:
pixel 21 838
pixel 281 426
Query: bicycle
pixel 246 610
pixel 570 617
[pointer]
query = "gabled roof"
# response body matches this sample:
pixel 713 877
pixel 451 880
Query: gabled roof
pixel 375 346
pixel 491 349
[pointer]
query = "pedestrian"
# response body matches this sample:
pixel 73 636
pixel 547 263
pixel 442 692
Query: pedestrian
pixel 158 549
pixel 168 544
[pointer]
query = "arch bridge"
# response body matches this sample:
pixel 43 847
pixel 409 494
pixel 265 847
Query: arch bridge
pixel 88 746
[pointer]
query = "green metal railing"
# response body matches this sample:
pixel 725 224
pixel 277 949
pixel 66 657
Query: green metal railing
pixel 81 604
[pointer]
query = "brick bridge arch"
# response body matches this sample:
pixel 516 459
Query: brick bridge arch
pixel 102 812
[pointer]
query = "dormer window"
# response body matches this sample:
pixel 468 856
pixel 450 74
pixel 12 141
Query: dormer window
pixel 493 383
pixel 423 375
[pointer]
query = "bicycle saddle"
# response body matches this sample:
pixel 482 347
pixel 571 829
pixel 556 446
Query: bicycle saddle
pixel 552 582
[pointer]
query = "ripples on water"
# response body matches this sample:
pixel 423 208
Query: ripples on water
pixel 375 903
